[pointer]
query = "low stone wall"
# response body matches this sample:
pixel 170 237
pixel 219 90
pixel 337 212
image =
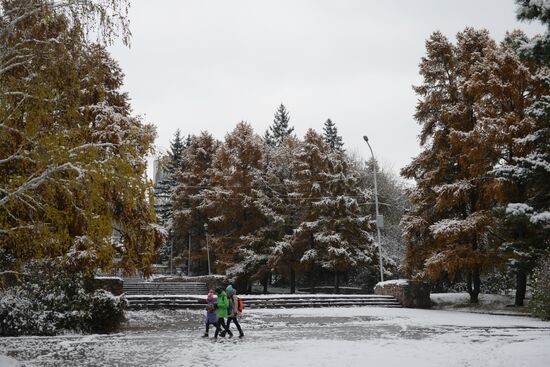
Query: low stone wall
pixel 211 281
pixel 410 293
pixel 330 290
pixel 115 285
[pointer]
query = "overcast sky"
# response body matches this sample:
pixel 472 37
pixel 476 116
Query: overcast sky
pixel 206 65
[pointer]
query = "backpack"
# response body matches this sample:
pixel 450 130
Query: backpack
pixel 240 304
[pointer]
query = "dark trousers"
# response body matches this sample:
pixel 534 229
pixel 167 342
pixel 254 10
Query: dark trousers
pixel 215 324
pixel 234 319
pixel 221 323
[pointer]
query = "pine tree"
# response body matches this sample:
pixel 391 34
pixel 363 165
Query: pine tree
pixel 345 229
pixel 169 166
pixel 268 139
pixel 521 95
pixel 281 175
pixel 330 135
pixel 310 186
pixel 537 48
pixel 280 130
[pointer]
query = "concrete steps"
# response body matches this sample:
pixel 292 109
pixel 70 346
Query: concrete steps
pixel 251 302
pixel 164 288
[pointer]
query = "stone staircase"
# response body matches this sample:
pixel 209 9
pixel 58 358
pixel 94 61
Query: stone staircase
pixel 308 300
pixel 163 288
pixel 151 301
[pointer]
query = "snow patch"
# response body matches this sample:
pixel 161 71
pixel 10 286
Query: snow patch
pixel 399 282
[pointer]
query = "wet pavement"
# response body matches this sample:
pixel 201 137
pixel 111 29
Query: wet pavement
pixel 295 337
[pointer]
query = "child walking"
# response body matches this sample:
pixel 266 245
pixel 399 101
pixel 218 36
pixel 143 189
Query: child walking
pixel 233 310
pixel 222 304
pixel 211 317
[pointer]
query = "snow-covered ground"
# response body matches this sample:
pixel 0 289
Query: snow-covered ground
pixel 488 303
pixel 357 336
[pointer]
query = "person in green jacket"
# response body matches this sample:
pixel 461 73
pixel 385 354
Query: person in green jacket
pixel 222 304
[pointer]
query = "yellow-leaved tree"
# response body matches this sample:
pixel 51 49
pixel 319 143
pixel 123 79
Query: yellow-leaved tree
pixel 72 156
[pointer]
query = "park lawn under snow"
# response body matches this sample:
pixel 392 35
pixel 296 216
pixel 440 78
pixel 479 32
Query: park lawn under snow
pixel 488 303
pixel 351 336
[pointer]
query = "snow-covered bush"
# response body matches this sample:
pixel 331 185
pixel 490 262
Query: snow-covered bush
pixel 540 301
pixel 51 300
pixel 106 311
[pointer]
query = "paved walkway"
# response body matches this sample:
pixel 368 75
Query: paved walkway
pixel 302 337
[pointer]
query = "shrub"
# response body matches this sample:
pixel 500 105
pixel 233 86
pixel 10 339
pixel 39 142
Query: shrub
pixel 107 311
pixel 51 300
pixel 540 300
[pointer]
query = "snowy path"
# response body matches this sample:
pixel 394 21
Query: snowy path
pixel 302 337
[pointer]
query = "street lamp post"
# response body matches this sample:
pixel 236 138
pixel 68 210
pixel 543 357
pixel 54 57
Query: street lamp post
pixel 171 250
pixel 189 257
pixel 207 249
pixel 379 218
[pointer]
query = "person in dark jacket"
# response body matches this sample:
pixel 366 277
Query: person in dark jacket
pixel 222 304
pixel 233 309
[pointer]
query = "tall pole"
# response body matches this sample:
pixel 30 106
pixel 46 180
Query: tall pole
pixel 377 213
pixel 207 249
pixel 189 257
pixel 171 253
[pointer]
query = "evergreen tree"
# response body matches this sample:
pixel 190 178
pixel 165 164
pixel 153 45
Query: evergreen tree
pixel 310 186
pixel 281 175
pixel 330 135
pixel 268 139
pixel 538 48
pixel 280 130
pixel 520 96
pixel 331 229
pixel 345 229
pixel 169 165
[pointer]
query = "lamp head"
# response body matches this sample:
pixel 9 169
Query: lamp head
pixel 366 138
pixel 206 226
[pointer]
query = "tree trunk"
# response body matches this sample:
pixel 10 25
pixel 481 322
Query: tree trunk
pixel 474 283
pixel 312 281
pixel 336 283
pixel 292 280
pixel 521 286
pixel 264 282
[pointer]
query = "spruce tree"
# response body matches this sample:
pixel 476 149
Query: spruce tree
pixel 280 130
pixel 310 189
pixel 522 98
pixel 330 135
pixel 345 231
pixel 281 174
pixel 168 166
